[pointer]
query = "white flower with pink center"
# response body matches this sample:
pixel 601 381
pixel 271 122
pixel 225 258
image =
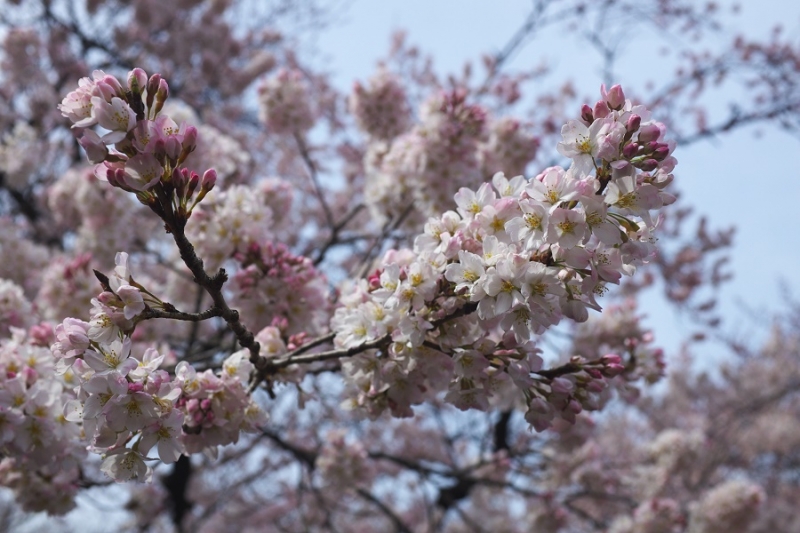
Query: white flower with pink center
pixel 142 172
pixel 114 357
pixel 552 187
pixel 165 434
pixel 123 464
pixel 115 116
pixel 503 287
pixel 567 227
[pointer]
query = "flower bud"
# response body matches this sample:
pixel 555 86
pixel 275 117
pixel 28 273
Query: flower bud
pixel 661 153
pixel 634 121
pixel 611 359
pixel 109 87
pixel 161 96
pixel 172 148
pixel 152 89
pixel 601 110
pixel 116 179
pixel 614 97
pixel 190 139
pixel 630 150
pixel 209 180
pixel 586 114
pixel 562 386
pixel 648 164
pixel 179 182
pixel 193 180
pixel 649 133
pixel 163 91
pixel 137 80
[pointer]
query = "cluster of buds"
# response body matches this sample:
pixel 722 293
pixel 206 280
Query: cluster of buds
pixel 149 148
pixel 567 395
pixel 274 283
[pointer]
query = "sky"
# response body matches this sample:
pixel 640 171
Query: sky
pixel 744 179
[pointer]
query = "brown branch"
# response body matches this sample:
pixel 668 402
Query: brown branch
pixel 213 286
pixel 150 313
pixel 385 509
pixel 335 230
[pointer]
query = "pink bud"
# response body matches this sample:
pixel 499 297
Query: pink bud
pixel 116 177
pixel 562 386
pixel 586 114
pixel 601 110
pixel 190 138
pixel 649 133
pixel 177 177
pixel 159 147
pixel 137 80
pixel 194 181
pixel 152 88
pixel 611 359
pixel 109 87
pixel 107 298
pixel 574 407
pixel 648 164
pixel 613 370
pixel 172 148
pixel 630 150
pixel 209 180
pixel 661 153
pixel 614 97
pixel 163 91
pixel 596 385
pixel 634 121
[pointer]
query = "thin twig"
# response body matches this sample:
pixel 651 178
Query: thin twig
pixel 398 523
pixel 335 230
pixel 313 173
pixel 387 229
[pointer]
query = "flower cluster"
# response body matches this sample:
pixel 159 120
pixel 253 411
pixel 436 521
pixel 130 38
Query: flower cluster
pixel 341 463
pixel 217 408
pixel 429 163
pixel 41 448
pixel 284 103
pixel 522 255
pixel 729 506
pixel 509 148
pixel 381 109
pixel 149 147
pixel 229 222
pixel 128 406
pixel 274 284
pixel 15 309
